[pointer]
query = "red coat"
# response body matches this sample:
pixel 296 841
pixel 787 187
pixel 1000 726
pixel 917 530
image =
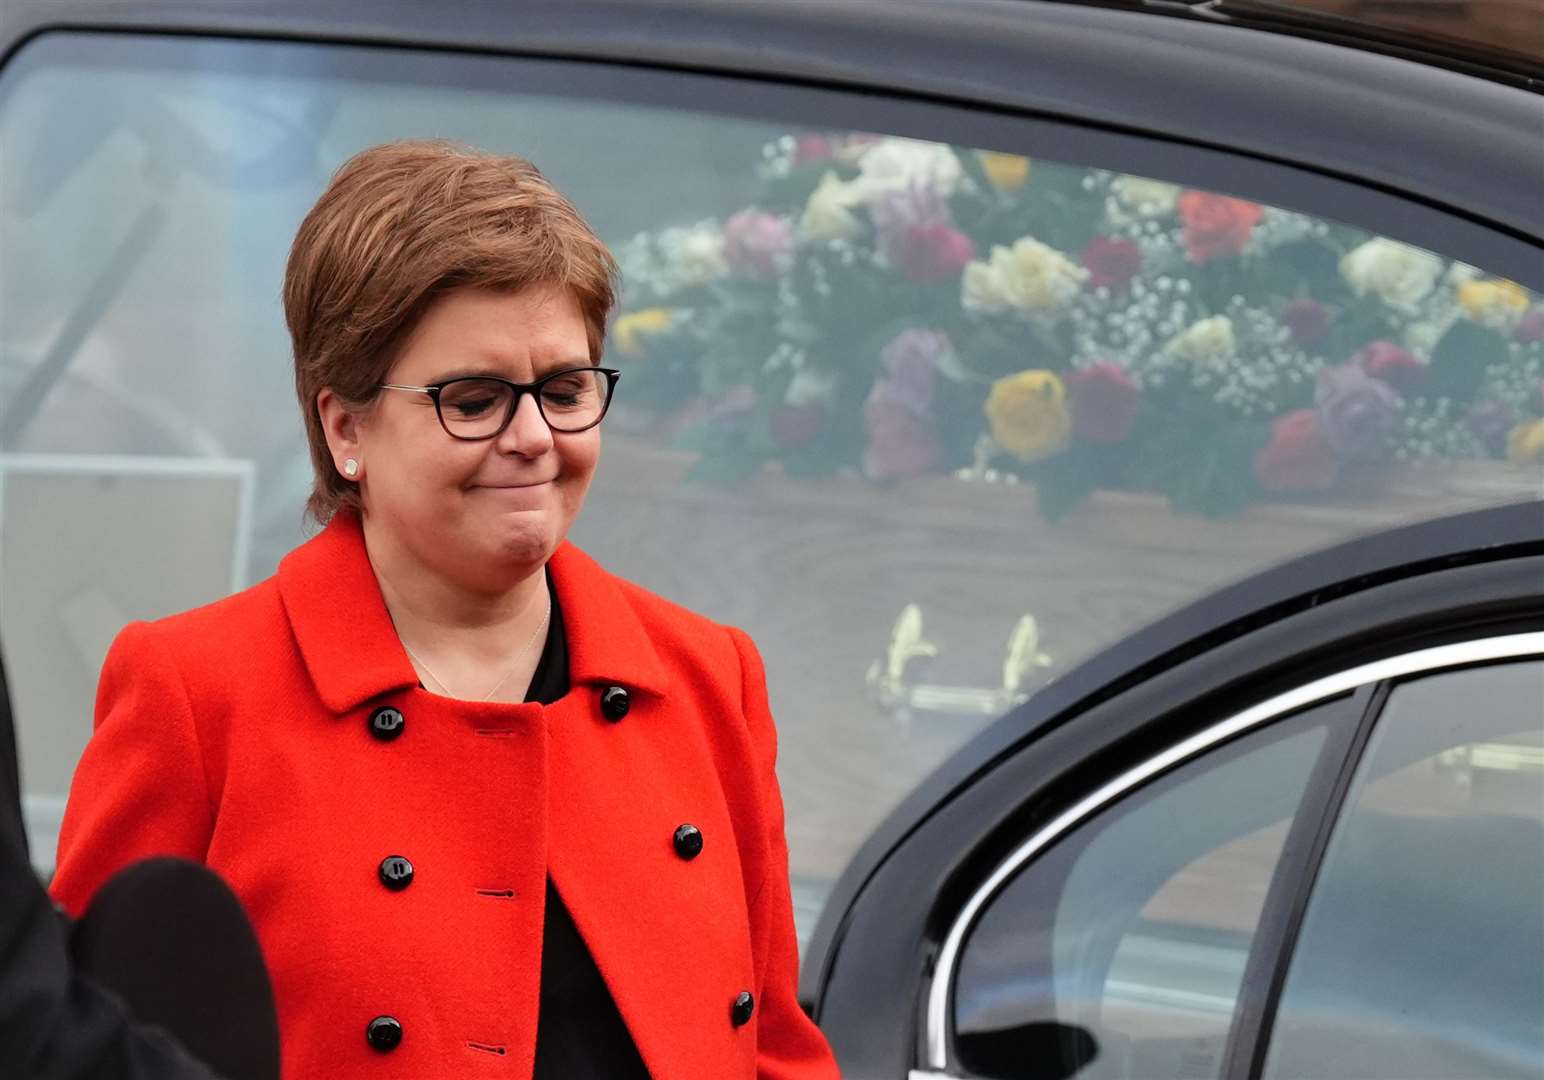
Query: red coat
pixel 240 734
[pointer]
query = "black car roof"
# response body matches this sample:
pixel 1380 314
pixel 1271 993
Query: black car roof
pixel 1463 143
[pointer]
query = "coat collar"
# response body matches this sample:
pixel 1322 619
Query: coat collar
pixel 350 646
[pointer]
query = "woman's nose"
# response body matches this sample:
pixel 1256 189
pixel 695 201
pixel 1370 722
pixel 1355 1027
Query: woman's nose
pixel 527 433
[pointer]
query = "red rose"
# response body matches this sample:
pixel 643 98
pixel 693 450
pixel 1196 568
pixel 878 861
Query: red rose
pixel 928 252
pixel 1111 262
pixel 1401 369
pixel 1297 458
pixel 1104 402
pixel 1216 224
pixel 1308 320
pixel 793 426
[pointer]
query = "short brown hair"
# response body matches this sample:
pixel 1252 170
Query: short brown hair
pixel 399 226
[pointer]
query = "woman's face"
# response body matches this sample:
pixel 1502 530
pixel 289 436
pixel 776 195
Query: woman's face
pixel 479 513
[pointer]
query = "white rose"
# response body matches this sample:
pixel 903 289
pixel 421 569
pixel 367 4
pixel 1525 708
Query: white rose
pixel 1029 276
pixel 1148 198
pixel 900 164
pixel 826 214
pixel 1399 274
pixel 1461 272
pixel 981 288
pixel 1204 343
pixel 695 254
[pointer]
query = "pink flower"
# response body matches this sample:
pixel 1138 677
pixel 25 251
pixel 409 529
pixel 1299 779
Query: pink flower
pixel 758 244
pixel 1104 402
pixel 1531 326
pixel 900 443
pixel 1111 262
pixel 1402 370
pixel 1297 457
pixel 793 426
pixel 902 436
pixel 1308 320
pixel 808 149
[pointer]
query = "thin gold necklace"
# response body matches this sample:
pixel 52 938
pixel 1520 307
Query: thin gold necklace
pixel 514 665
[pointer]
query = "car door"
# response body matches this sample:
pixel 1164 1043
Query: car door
pixel 1307 841
pixel 961 340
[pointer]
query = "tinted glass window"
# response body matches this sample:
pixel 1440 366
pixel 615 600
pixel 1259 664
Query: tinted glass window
pixel 1120 952
pixel 1013 388
pixel 1422 952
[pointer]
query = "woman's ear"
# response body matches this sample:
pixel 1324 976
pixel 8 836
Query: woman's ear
pixel 341 427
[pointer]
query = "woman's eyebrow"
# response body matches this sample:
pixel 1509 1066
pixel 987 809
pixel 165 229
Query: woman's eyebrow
pixel 481 371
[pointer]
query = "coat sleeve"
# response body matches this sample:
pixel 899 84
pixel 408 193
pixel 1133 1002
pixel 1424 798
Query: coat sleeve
pixel 788 1044
pixel 141 787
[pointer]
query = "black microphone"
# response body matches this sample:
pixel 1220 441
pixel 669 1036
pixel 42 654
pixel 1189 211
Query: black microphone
pixel 170 938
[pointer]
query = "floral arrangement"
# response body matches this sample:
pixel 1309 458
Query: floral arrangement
pixel 901 308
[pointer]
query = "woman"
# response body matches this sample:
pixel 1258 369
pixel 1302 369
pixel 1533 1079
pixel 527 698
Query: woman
pixel 492 811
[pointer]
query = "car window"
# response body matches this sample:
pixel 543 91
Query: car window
pixel 932 420
pixel 1120 952
pixel 1422 949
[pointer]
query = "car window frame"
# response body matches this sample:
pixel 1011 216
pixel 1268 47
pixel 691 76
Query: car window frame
pixel 1250 1054
pixel 1364 690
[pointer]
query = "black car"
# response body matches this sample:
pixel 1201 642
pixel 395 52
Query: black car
pixel 1120 425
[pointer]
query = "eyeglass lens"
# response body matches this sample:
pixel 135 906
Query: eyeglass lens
pixel 570 401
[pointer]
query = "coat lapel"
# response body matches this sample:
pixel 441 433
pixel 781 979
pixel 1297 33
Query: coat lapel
pixel 342 628
pixel 667 933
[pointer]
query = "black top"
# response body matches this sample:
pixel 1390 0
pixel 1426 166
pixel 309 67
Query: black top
pixel 580 1034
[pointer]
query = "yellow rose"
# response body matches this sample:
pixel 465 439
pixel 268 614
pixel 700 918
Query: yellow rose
pixel 1028 414
pixel 1008 172
pixel 1525 445
pixel 631 330
pixel 1497 302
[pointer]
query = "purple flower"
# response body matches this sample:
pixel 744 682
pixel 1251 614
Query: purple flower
pixel 1356 411
pixel 910 366
pixel 915 207
pixel 758 243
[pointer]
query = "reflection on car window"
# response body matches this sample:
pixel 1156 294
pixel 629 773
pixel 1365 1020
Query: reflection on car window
pixel 1118 955
pixel 932 422
pixel 1420 954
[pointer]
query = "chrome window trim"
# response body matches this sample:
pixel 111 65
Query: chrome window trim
pixel 1419 662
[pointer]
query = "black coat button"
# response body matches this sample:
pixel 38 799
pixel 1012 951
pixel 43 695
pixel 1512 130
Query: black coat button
pixel 740 1012
pixel 387 723
pixel 688 841
pixel 614 703
pixel 396 873
pixel 384 1033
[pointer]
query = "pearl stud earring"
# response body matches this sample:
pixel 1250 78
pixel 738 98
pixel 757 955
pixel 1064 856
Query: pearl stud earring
pixel 350 468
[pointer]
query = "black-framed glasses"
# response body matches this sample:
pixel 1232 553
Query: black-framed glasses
pixel 477 407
